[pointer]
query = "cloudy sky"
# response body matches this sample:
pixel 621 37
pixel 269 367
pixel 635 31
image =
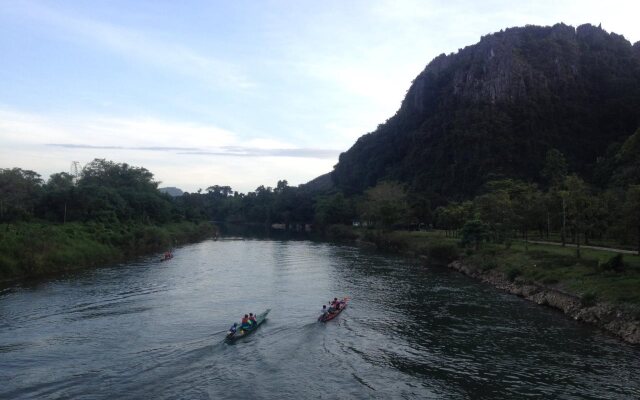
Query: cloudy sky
pixel 238 93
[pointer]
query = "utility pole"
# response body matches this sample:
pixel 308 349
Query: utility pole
pixel 74 171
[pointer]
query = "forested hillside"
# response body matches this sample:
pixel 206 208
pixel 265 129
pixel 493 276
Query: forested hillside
pixel 494 109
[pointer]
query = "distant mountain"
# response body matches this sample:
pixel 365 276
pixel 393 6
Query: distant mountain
pixel 494 109
pixel 323 183
pixel 171 191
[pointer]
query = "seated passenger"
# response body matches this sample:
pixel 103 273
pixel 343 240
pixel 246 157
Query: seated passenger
pixel 233 329
pixel 336 304
pixel 252 319
pixel 245 324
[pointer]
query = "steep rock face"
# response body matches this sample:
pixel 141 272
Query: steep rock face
pixel 493 109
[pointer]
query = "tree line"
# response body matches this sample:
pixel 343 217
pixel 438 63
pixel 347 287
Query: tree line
pixel 569 207
pixel 563 207
pixel 105 191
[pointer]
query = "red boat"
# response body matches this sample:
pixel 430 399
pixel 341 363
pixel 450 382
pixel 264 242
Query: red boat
pixel 334 314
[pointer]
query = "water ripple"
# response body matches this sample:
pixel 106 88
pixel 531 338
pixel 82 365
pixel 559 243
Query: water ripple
pixel 156 330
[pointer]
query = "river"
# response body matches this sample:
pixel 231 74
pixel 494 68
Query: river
pixel 151 329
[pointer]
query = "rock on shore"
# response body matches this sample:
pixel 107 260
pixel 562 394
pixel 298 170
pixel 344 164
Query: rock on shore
pixel 604 315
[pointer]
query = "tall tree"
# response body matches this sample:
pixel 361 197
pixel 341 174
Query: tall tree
pixel 386 204
pixel 632 212
pixel 59 195
pixel 20 191
pixel 527 208
pixel 495 209
pixel 577 204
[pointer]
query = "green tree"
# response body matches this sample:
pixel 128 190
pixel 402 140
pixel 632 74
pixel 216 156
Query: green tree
pixel 333 209
pixel 59 196
pixel 577 204
pixel 631 210
pixel 386 204
pixel 496 211
pixel 112 191
pixel 528 209
pixel 474 232
pixel 20 191
pixel 628 162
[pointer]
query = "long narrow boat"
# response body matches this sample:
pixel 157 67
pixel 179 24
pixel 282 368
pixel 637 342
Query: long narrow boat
pixel 240 333
pixel 332 315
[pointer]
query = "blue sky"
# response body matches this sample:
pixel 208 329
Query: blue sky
pixel 239 93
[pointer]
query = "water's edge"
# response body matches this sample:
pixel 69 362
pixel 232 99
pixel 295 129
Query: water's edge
pixel 615 319
pixel 609 317
pixel 186 234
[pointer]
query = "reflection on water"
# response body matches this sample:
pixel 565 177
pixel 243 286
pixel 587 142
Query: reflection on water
pixel 156 330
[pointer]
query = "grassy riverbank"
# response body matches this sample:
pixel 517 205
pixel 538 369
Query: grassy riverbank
pixel 34 249
pixel 598 276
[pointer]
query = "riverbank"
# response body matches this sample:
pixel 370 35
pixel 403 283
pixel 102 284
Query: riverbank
pixel 600 288
pixel 32 249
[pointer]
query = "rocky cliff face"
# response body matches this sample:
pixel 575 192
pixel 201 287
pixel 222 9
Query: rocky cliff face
pixel 495 108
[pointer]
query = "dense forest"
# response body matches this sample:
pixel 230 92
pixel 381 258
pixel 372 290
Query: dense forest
pixel 105 191
pixel 108 213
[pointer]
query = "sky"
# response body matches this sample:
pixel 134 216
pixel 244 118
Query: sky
pixel 235 93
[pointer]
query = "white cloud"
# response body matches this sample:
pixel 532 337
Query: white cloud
pixel 183 154
pixel 147 47
pixel 18 127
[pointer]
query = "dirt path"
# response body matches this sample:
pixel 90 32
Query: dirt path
pixel 586 247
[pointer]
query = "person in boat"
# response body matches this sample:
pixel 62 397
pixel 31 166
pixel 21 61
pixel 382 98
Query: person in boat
pixel 252 319
pixel 233 329
pixel 331 309
pixel 325 311
pixel 336 304
pixel 245 324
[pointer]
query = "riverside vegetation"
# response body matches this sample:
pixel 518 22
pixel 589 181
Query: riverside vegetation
pixel 112 212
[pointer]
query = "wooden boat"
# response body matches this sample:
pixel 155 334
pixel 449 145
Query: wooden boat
pixel 240 333
pixel 334 314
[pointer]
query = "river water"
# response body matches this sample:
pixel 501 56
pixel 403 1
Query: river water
pixel 155 330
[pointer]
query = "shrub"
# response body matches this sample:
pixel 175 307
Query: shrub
pixel 615 263
pixel 488 264
pixel 443 252
pixel 588 299
pixel 513 273
pixel 341 232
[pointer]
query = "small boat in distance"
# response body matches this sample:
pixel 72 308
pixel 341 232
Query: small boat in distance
pixel 240 333
pixel 331 315
pixel 167 256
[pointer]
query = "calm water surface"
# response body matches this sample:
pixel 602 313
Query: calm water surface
pixel 155 330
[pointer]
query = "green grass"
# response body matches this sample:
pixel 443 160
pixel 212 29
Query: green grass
pixel 543 264
pixel 555 237
pixel 558 266
pixel 33 249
